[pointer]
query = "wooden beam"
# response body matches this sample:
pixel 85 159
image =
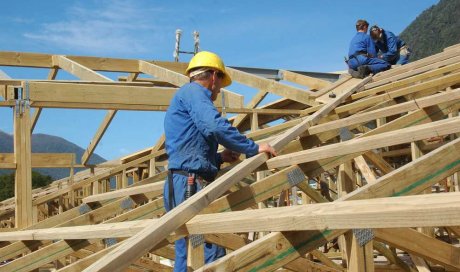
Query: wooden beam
pixel 416 67
pixel 42 160
pixel 421 245
pixel 256 99
pixel 271 86
pixel 104 175
pixel 44 255
pixel 408 211
pixel 137 245
pixel 277 249
pixel 406 82
pixel 433 84
pixel 85 73
pixel 148 188
pixel 444 127
pixel 96 93
pixel 25 59
pixel 231 99
pixel 51 76
pixel 310 82
pixel 78 70
pixel 23 161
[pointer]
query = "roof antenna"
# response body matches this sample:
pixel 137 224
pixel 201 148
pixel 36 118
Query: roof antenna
pixel 177 51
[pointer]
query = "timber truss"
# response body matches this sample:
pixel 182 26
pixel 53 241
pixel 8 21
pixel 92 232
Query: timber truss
pixel 367 177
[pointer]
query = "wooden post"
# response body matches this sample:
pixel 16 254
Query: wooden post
pixel 195 256
pixel 23 160
pixel 359 259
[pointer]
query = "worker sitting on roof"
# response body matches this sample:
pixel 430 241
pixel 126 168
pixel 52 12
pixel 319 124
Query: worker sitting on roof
pixel 362 56
pixel 391 48
pixel 193 130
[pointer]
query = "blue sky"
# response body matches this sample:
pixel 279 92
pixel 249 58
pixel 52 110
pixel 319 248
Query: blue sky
pixel 295 35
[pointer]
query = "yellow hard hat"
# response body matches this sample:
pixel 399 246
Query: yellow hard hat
pixel 211 60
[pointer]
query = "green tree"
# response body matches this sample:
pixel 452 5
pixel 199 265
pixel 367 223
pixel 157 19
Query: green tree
pixel 7 183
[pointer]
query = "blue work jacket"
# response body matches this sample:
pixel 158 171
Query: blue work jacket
pixel 362 44
pixel 194 129
pixel 389 44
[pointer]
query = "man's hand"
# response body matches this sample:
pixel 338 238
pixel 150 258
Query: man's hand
pixel 267 148
pixel 229 156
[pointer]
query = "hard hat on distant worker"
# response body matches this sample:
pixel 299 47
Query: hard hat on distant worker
pixel 208 59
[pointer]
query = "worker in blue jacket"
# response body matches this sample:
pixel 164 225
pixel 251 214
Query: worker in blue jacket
pixel 362 55
pixel 193 130
pixel 389 46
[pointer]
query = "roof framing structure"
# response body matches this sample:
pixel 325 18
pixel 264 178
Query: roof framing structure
pixel 366 179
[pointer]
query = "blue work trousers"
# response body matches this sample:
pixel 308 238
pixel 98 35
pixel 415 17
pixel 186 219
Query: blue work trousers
pixel 211 251
pixel 375 64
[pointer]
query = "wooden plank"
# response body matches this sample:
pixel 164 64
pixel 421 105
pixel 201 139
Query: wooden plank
pixel 434 84
pixel 103 175
pixel 265 255
pixel 343 78
pixel 137 245
pixel 231 99
pixel 399 212
pixel 148 188
pixel 85 73
pixel 23 161
pixel 406 82
pixel 364 168
pixel 325 98
pixel 51 76
pixel 251 195
pixel 271 86
pixel 271 251
pixel 310 82
pixel 25 59
pixel 421 245
pixel 313 119
pixel 444 127
pixel 426 63
pixel 256 99
pixel 78 70
pixel 96 93
pixel 44 255
pixel 43 160
pixel 359 258
pixel 392 257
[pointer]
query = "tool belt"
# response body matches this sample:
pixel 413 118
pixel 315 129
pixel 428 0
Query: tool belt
pixel 197 178
pixel 354 56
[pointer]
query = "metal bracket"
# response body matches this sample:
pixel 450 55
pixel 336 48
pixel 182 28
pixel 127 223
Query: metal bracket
pixel 84 208
pixel 127 204
pixel 26 97
pixel 363 236
pixel 110 241
pixel 196 240
pixel 295 177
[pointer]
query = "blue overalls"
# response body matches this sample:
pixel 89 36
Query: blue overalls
pixel 362 52
pixel 390 45
pixel 193 130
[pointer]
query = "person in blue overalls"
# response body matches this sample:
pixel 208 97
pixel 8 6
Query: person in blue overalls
pixel 389 46
pixel 193 130
pixel 362 55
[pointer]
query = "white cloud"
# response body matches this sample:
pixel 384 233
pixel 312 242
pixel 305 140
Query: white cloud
pixel 117 27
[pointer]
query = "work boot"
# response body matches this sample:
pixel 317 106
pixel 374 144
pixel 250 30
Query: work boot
pixel 364 71
pixel 353 73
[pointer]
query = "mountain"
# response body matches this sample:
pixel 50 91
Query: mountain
pixel 434 29
pixel 43 143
